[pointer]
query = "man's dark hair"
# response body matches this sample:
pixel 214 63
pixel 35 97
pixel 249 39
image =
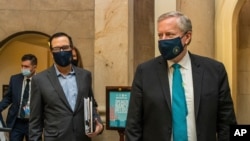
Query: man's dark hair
pixel 59 34
pixel 30 57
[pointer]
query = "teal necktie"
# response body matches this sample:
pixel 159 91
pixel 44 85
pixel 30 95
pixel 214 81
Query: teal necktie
pixel 179 106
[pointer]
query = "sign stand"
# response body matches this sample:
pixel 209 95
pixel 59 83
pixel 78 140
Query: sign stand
pixel 117 101
pixel 121 134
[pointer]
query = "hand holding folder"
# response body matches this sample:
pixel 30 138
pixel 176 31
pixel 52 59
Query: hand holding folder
pixel 88 115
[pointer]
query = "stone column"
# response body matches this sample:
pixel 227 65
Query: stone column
pixel 202 15
pixel 124 37
pixel 110 53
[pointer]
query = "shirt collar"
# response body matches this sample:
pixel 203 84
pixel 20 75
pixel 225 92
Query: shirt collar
pixel 183 62
pixel 59 74
pixel 25 78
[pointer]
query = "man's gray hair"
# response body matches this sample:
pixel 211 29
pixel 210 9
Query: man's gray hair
pixel 183 21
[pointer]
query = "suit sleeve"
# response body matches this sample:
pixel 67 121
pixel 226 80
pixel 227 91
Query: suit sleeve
pixel 226 114
pixel 96 115
pixel 95 112
pixel 36 112
pixel 133 131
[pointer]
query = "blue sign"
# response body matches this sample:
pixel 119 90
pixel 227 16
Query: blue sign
pixel 118 108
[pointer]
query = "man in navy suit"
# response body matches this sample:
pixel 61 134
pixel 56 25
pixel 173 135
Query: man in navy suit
pixel 14 96
pixel 208 111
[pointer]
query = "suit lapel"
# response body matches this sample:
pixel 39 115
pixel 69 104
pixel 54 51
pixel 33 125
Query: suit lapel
pixel 80 87
pixel 162 70
pixel 197 73
pixel 19 87
pixel 56 84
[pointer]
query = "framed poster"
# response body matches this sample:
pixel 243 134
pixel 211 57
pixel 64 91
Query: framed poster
pixel 117 101
pixel 5 89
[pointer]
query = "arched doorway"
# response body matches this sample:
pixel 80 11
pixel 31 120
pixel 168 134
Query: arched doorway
pixel 232 36
pixel 243 67
pixel 14 47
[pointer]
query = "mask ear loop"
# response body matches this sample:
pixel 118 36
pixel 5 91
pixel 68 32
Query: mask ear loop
pixel 183 36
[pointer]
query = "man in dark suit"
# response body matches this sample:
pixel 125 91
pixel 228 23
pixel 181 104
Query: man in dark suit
pixel 14 96
pixel 208 106
pixel 57 97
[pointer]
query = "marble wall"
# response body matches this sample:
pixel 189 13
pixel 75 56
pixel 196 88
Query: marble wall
pixel 202 15
pixel 124 37
pixel 111 46
pixel 110 52
pixel 116 53
pixel 143 31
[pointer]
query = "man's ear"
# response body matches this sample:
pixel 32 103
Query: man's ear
pixel 189 37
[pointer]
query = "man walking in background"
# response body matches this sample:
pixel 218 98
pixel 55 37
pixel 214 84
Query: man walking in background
pixel 18 96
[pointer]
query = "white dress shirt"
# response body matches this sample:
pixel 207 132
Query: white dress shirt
pixel 186 72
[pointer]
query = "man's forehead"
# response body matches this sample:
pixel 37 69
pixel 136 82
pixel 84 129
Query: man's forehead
pixel 26 63
pixel 60 40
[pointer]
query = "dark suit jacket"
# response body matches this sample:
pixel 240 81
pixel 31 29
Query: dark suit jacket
pixel 149 115
pixel 13 97
pixel 50 111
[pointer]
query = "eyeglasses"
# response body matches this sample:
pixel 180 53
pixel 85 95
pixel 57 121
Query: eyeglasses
pixel 62 48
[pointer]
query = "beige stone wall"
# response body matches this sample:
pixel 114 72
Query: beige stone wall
pixel 124 37
pixel 73 17
pixel 202 15
pixel 110 52
pixel 162 6
pixel 111 46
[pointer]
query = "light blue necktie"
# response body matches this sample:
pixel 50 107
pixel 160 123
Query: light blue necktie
pixel 179 106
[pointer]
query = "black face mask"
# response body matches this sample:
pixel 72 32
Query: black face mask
pixel 63 58
pixel 170 48
pixel 75 62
